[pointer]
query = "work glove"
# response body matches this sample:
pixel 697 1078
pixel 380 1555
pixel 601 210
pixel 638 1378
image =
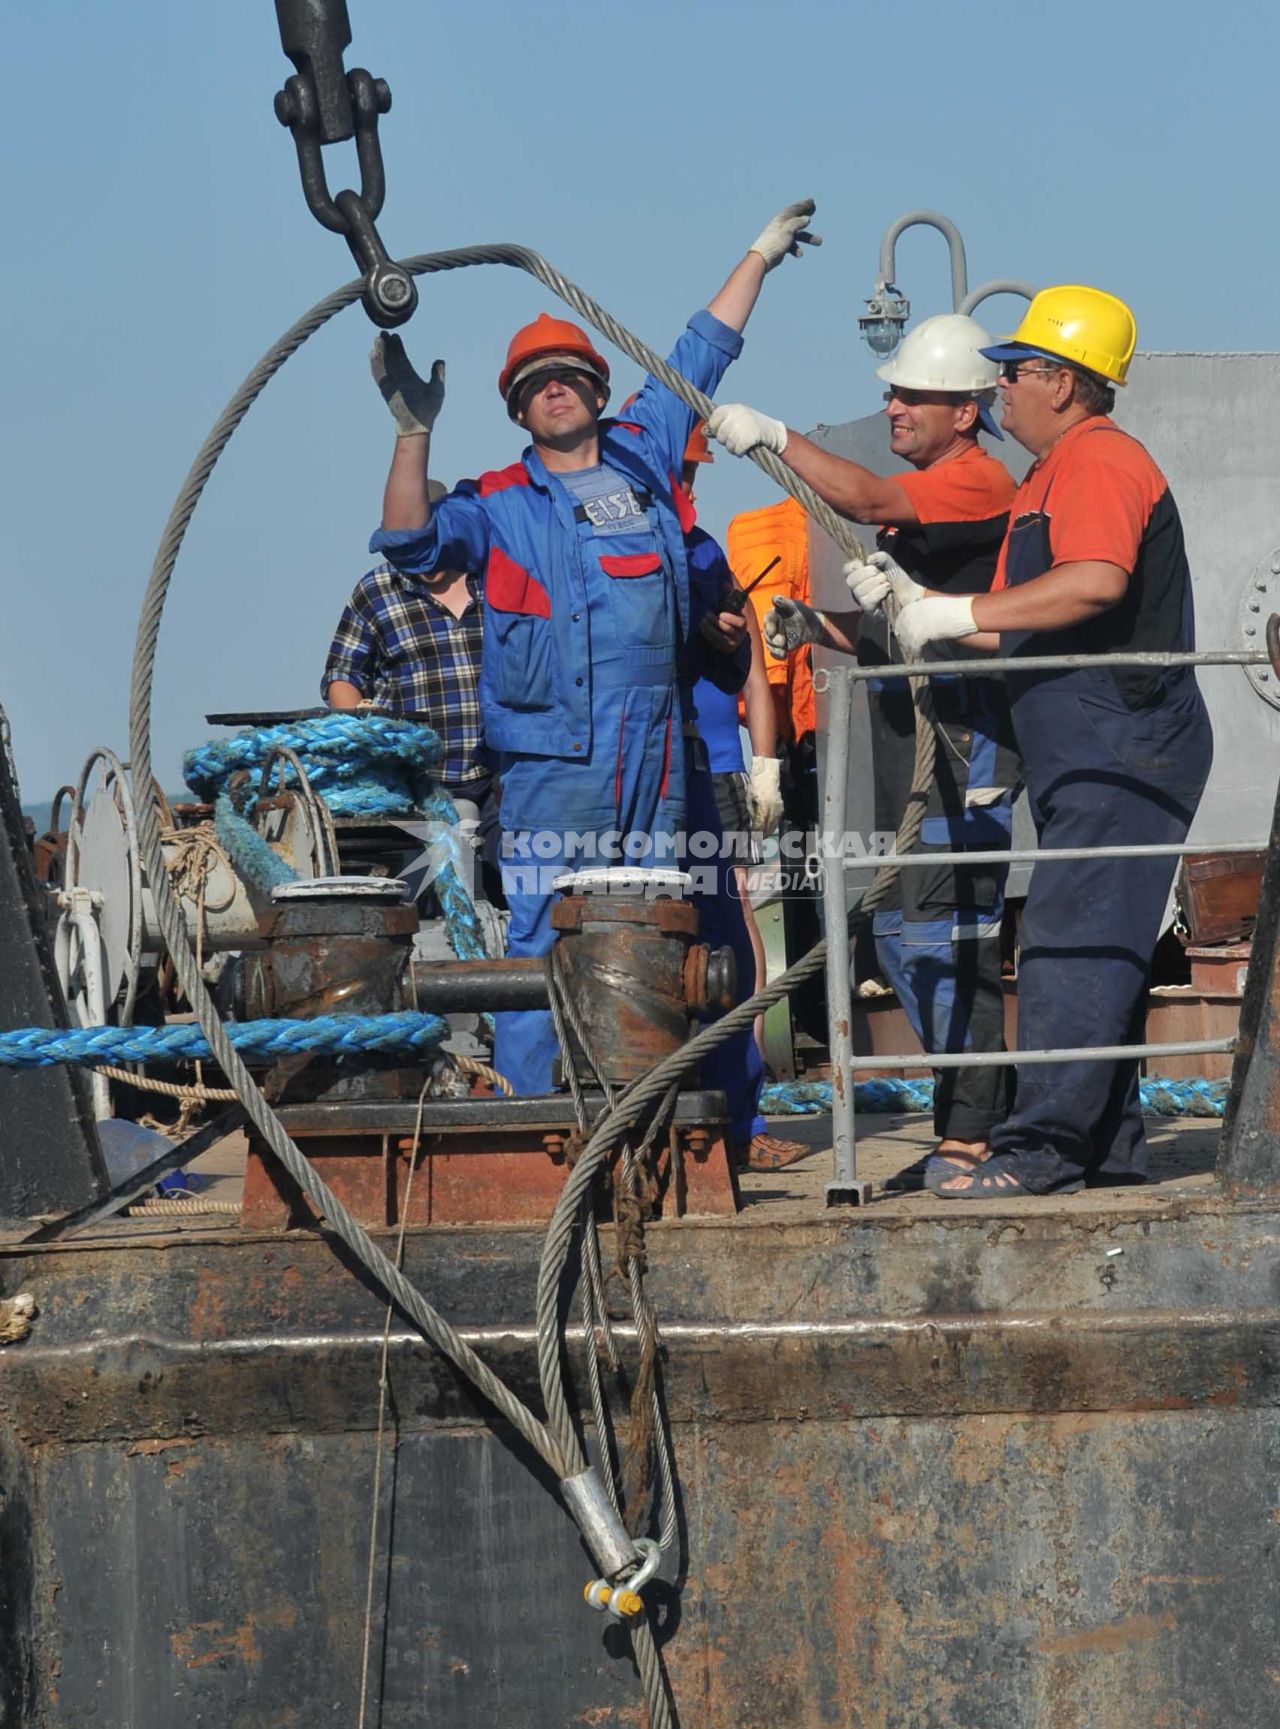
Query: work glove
pixel 414 402
pixel 741 429
pixel 789 624
pixel 937 618
pixel 879 576
pixel 785 234
pixel 723 631
pixel 765 794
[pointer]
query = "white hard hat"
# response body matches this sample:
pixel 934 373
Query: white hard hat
pixel 943 354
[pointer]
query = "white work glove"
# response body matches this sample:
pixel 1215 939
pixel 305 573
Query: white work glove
pixel 789 624
pixel 880 575
pixel 741 429
pixel 937 618
pixel 765 794
pixel 413 401
pixel 785 234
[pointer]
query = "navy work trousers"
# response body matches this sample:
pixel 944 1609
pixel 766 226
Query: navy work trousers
pixel 1097 774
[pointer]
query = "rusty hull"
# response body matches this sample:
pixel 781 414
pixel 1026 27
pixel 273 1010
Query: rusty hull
pixel 933 1471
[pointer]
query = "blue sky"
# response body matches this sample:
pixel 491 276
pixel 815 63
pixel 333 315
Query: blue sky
pixel 158 243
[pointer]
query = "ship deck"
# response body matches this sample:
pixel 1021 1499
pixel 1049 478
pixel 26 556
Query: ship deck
pixel 1183 1152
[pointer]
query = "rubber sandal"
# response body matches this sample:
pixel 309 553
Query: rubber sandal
pixel 928 1171
pixel 999 1177
pixel 910 1179
pixel 942 1167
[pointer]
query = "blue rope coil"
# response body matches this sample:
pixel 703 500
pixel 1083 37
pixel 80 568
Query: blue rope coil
pixel 1160 1098
pixel 251 857
pixel 807 1098
pixel 360 764
pixel 331 1035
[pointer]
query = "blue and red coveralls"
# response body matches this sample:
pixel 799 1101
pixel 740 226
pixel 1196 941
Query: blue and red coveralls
pixel 938 936
pixel 583 639
pixel 1111 756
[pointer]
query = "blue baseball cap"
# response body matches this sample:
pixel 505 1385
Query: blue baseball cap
pixel 987 420
pixel 1002 351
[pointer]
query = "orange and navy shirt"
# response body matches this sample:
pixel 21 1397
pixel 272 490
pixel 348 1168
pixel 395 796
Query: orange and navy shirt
pixel 1100 497
pixel 962 506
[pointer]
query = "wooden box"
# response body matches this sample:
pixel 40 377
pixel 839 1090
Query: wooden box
pixel 1217 896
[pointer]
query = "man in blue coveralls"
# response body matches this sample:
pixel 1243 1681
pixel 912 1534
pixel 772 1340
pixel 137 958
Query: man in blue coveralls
pixel 588 610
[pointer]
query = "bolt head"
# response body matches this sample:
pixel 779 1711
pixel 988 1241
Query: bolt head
pixel 394 290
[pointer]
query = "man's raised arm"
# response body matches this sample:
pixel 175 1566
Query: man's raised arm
pixel 414 403
pixel 785 234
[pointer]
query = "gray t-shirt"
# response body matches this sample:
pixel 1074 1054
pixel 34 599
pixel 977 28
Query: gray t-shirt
pixel 608 499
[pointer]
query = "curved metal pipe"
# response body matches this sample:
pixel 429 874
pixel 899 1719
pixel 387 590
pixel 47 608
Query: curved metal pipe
pixel 997 285
pixel 945 227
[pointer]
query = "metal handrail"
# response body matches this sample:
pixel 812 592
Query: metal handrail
pixel 838 682
pixel 1054 855
pixel 978 665
pixel 1018 1059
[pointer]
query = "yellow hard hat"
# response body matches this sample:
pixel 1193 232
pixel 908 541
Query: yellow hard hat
pixel 1071 322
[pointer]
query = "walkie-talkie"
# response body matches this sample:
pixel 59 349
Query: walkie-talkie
pixel 735 599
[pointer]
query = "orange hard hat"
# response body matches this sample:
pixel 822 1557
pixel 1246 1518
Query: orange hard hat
pixel 545 343
pixel 698 449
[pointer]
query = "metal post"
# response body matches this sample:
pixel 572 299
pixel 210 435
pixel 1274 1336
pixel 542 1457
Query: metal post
pixel 1249 1150
pixel 844 1189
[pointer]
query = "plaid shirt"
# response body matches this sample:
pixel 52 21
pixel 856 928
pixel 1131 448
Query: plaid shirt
pixel 407 653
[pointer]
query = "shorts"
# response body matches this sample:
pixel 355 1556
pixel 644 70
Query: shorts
pixel 742 844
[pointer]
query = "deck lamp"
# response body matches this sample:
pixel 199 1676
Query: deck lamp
pixel 888 309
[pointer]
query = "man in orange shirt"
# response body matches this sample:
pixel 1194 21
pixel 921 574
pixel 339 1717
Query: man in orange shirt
pixel 773 544
pixel 938 944
pixel 769 548
pixel 1094 564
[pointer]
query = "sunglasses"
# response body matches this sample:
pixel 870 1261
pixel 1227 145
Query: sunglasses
pixel 1012 370
pixel 563 375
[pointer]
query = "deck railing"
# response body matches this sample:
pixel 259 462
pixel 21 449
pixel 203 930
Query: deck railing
pixel 838 683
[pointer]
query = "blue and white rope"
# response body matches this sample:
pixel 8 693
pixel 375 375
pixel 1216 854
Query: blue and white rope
pixel 360 764
pixel 1160 1098
pixel 331 1035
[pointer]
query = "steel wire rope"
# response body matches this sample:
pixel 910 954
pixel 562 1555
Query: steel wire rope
pixel 595 1316
pixel 384 1391
pixel 648 1658
pixel 565 1013
pixel 173 926
pixel 632 1162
